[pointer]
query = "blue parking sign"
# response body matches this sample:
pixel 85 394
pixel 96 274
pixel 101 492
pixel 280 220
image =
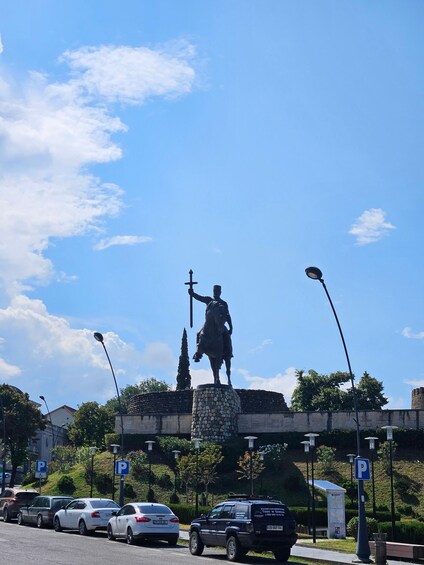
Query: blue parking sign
pixel 122 467
pixel 40 469
pixel 362 469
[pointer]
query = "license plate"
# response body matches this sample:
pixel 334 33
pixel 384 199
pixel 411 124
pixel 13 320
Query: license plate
pixel 160 522
pixel 274 528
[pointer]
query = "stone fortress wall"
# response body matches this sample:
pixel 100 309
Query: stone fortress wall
pixel 171 413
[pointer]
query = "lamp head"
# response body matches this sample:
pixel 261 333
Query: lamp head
pixel 311 437
pixel 306 445
pixel 98 336
pixel 176 453
pixel 372 441
pixel 114 447
pixel 196 443
pixel 351 457
pixel 389 431
pixel 150 444
pixel 42 397
pixel 93 450
pixel 314 273
pixel 251 440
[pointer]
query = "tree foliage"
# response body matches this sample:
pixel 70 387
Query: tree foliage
pixel 244 465
pixel 315 392
pixel 147 385
pixel 91 422
pixel 22 419
pixel 183 374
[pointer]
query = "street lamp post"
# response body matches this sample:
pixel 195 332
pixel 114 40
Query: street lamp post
pixel 389 437
pixel 51 424
pixel 3 417
pixel 362 547
pixel 251 440
pixel 93 453
pixel 351 457
pixel 197 448
pixel 149 454
pixel 99 337
pixel 372 441
pixel 311 442
pixel 176 455
pixel 114 447
pixel 306 447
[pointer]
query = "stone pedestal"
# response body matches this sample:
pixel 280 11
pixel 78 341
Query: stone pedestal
pixel 214 415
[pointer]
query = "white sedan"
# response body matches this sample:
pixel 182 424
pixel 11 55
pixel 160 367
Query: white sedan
pixel 85 515
pixel 144 521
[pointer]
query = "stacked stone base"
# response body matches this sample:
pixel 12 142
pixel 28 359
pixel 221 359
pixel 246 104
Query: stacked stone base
pixel 215 410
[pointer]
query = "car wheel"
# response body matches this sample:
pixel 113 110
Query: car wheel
pixel 130 537
pixel 56 525
pixel 82 528
pixel 6 515
pixel 234 551
pixel 40 523
pixel 20 519
pixel 282 554
pixel 173 541
pixel 196 545
pixel 110 535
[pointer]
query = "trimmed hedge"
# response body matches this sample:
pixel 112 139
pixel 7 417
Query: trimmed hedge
pixel 186 513
pixel 301 515
pixel 407 531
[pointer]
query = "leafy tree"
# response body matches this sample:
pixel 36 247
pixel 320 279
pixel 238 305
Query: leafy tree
pixel 274 454
pixel 91 422
pixel 147 385
pixel 209 458
pixel 64 458
pixel 384 455
pixel 326 457
pixel 22 419
pixel 183 374
pixel 187 472
pixel 244 465
pixel 315 392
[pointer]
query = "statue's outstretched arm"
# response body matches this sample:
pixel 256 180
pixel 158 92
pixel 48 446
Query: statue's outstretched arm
pixel 204 299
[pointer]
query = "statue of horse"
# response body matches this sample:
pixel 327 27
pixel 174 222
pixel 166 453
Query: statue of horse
pixel 213 339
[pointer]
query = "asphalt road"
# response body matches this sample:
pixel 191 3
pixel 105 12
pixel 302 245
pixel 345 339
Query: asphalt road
pixel 20 545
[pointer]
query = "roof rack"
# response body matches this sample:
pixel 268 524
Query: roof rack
pixel 232 496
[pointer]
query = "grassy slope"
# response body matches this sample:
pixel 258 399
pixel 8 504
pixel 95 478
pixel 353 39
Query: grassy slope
pixel 286 484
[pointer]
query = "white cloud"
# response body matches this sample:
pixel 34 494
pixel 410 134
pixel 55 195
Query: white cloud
pixel 201 377
pixel 397 403
pixel 121 240
pixel 371 226
pixel 415 383
pixel 158 355
pixel 406 332
pixel 131 75
pixel 8 371
pixel 282 382
pixel 50 134
pixel 265 343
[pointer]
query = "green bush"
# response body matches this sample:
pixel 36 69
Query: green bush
pixel 407 531
pixel 28 478
pixel 103 483
pixel 65 485
pixel 352 527
pixel 186 513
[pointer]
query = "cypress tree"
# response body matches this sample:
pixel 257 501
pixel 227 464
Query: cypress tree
pixel 183 375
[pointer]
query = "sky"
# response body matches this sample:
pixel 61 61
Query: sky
pixel 243 139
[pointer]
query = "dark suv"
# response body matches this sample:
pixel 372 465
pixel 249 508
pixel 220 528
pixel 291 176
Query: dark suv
pixel 244 523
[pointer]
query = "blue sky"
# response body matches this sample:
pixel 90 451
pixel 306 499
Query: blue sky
pixel 246 140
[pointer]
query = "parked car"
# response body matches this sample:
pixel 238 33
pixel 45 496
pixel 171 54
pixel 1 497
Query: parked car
pixel 144 521
pixel 85 515
pixel 12 499
pixel 244 523
pixel 42 509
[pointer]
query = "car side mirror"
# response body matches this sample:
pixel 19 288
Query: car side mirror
pixel 114 512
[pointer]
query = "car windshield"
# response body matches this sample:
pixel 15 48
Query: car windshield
pixel 154 509
pixel 104 504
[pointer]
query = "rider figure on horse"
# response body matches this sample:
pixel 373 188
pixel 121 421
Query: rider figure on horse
pixel 215 307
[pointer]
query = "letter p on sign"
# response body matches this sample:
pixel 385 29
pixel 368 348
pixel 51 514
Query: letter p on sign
pixel 122 467
pixel 362 469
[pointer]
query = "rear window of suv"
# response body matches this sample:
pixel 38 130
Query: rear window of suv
pixel 26 495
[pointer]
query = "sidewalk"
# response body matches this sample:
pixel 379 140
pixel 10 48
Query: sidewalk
pixel 324 555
